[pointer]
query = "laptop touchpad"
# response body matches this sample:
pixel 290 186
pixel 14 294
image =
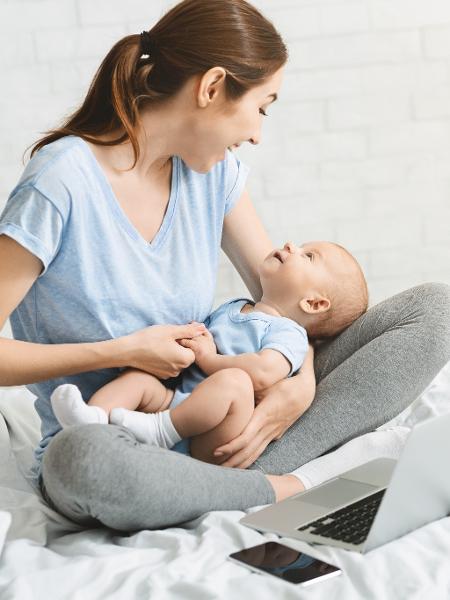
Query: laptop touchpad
pixel 337 492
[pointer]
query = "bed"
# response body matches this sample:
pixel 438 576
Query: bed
pixel 45 556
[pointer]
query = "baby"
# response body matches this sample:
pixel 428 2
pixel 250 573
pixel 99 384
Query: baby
pixel 312 291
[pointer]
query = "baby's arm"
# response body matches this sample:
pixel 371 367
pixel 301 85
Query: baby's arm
pixel 265 367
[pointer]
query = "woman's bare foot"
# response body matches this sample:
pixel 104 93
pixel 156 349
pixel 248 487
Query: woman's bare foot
pixel 285 485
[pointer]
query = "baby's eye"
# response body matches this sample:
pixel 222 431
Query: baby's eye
pixel 263 112
pixel 310 254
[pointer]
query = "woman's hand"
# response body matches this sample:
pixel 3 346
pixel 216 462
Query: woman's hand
pixel 156 349
pixel 278 407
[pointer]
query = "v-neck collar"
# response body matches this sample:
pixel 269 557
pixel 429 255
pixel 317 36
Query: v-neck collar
pixel 118 210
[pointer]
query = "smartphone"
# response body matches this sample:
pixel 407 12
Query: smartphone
pixel 286 563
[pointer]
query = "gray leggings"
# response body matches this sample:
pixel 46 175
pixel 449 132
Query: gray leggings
pixel 98 475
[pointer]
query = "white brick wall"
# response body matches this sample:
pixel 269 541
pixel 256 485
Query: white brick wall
pixel 356 150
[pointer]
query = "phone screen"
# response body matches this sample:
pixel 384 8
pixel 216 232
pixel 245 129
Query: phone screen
pixel 286 563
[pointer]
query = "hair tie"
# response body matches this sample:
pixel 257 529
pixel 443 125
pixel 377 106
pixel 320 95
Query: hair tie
pixel 147 44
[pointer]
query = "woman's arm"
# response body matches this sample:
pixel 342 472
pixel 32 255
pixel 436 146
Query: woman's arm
pixel 26 362
pixel 246 243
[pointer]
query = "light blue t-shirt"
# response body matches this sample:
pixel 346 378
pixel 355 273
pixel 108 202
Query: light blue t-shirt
pixel 101 279
pixel 235 333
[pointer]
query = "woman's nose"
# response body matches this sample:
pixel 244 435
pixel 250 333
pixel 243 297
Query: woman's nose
pixel 256 137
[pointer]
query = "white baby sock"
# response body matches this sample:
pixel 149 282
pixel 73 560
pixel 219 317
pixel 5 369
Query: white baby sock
pixel 70 408
pixel 152 428
pixel 375 444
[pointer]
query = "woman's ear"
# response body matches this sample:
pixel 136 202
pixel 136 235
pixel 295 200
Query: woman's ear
pixel 313 306
pixel 211 84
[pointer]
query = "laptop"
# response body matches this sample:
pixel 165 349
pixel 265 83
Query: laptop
pixel 374 503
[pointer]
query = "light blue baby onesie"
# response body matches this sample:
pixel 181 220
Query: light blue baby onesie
pixel 236 333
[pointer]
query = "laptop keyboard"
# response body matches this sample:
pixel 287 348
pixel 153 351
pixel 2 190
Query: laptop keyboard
pixel 349 524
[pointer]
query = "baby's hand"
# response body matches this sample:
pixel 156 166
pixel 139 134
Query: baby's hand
pixel 202 346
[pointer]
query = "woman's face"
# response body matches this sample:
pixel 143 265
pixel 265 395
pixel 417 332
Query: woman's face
pixel 216 123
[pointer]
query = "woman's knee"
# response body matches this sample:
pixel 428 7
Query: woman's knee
pixel 433 302
pixel 427 312
pixel 69 462
pixel 68 477
pixel 91 475
pixel 434 297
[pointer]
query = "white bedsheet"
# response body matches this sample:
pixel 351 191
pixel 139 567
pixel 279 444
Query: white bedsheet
pixel 45 556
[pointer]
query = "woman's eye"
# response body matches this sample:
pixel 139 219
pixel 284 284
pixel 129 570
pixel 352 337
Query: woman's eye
pixel 263 112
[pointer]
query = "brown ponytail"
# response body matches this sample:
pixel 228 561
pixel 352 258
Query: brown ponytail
pixel 192 37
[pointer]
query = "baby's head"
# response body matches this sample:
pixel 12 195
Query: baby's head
pixel 320 285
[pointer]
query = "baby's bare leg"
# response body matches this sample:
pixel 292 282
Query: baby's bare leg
pixel 215 413
pixel 135 390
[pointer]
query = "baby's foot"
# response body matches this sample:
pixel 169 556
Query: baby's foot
pixel 150 428
pixel 70 408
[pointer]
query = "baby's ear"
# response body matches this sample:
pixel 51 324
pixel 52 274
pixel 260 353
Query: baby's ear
pixel 315 305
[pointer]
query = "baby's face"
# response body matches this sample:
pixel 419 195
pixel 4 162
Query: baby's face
pixel 292 271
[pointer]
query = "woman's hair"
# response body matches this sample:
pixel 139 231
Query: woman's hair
pixel 194 36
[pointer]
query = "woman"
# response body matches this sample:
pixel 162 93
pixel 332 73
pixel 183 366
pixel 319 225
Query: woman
pixel 103 266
